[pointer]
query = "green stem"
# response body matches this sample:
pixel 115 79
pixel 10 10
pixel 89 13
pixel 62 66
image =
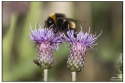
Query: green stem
pixel 45 75
pixel 73 76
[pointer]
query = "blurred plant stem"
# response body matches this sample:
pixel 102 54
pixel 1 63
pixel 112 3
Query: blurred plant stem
pixel 73 76
pixel 45 75
pixel 7 47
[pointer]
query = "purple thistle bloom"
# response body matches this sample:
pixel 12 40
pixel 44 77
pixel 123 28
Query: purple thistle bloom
pixel 47 41
pixel 79 46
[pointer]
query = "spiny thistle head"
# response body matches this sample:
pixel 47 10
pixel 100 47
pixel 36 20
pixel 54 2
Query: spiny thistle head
pixel 46 41
pixel 79 45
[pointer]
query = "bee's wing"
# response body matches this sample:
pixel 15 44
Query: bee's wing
pixel 70 19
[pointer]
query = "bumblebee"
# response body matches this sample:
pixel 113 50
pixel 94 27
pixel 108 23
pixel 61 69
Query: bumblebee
pixel 60 23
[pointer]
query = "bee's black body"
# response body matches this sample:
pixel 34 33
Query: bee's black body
pixel 59 23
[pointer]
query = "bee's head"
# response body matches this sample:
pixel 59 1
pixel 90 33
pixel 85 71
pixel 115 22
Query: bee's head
pixel 51 21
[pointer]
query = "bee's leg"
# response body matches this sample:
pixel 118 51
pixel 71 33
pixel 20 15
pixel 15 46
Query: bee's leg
pixel 75 33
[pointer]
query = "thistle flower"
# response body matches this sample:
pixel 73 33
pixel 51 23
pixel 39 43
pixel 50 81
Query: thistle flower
pixel 79 46
pixel 46 41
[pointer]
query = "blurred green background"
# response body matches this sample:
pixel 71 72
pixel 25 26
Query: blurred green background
pixel 19 51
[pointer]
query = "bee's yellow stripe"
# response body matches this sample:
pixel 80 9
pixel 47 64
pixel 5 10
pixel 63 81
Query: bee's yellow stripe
pixel 53 16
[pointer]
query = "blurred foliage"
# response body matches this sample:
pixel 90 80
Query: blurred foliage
pixel 19 51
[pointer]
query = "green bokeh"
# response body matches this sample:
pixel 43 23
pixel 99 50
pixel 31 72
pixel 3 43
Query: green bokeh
pixel 19 51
